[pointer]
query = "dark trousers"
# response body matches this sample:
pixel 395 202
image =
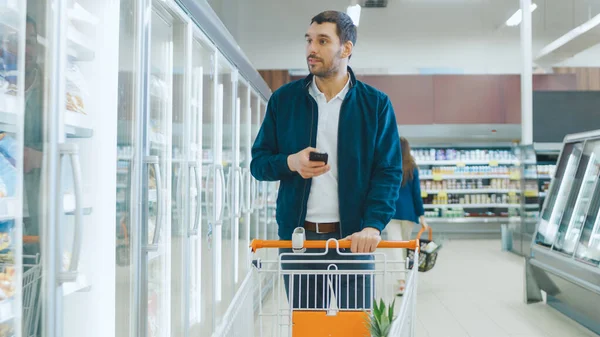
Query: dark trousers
pixel 352 291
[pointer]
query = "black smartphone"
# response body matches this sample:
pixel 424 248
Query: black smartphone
pixel 316 156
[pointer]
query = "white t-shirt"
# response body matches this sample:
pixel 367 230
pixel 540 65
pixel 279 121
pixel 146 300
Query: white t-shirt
pixel 323 202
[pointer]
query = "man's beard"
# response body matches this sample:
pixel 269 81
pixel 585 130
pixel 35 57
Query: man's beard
pixel 326 71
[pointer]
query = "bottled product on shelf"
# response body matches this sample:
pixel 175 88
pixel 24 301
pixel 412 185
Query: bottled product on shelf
pixel 478 170
pixel 465 155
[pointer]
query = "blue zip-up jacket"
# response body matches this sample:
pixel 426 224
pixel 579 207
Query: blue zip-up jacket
pixel 369 155
pixel 409 205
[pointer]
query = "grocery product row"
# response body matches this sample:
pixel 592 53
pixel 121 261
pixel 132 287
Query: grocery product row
pixel 465 155
pixel 471 186
pixel 450 172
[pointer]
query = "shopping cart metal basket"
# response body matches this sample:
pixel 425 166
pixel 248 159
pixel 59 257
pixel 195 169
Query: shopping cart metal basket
pixel 32 275
pixel 327 297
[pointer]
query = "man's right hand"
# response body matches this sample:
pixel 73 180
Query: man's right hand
pixel 299 162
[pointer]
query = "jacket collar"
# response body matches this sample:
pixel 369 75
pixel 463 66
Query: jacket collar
pixel 308 79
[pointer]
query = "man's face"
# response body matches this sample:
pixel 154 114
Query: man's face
pixel 31 46
pixel 323 49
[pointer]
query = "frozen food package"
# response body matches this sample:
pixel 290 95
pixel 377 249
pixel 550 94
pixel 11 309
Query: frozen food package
pixel 8 147
pixel 76 88
pixel 9 176
pixel 3 191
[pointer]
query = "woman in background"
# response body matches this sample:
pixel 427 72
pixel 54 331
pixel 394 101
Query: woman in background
pixel 409 208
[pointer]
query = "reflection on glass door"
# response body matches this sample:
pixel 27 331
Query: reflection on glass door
pixel 586 181
pixel 156 232
pixel 562 183
pixel 244 95
pixel 12 89
pixel 204 69
pixel 181 177
pixel 588 249
pixel 226 259
pixel 200 262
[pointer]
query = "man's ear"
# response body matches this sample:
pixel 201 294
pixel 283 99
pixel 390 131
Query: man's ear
pixel 348 47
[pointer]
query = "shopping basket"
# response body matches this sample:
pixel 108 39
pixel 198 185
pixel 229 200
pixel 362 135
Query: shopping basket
pixel 31 295
pixel 333 297
pixel 426 258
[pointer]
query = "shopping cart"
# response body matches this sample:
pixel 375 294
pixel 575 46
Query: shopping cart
pixel 32 274
pixel 332 298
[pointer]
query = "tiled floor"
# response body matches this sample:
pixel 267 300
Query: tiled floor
pixel 476 290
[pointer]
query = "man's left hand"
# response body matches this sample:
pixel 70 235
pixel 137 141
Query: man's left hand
pixel 365 241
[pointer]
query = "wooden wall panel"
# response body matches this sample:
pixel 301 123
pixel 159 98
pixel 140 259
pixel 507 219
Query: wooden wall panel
pixel 554 82
pixel 511 98
pixel 467 99
pixel 275 78
pixel 411 96
pixel 588 79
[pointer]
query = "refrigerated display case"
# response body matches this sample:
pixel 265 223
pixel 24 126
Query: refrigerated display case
pixel 565 250
pixel 519 232
pixel 20 273
pixel 184 104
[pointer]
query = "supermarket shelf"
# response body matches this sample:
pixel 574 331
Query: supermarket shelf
pixel 8 208
pixel 433 206
pixel 544 176
pixel 471 220
pixel 466 162
pixel 7 310
pixel 457 176
pixel 78 125
pixel 8 117
pixel 78 45
pixel 472 191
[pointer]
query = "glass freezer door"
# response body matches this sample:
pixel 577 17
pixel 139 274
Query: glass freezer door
pixel 15 34
pixel 580 199
pixel 562 183
pixel 244 95
pixel 226 259
pixel 588 249
pixel 156 221
pixel 200 314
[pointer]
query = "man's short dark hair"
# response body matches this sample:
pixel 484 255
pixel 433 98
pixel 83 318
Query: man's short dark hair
pixel 346 29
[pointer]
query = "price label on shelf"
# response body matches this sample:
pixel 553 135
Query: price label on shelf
pixel 460 164
pixel 531 193
pixel 437 177
pixel 493 163
pixel 424 194
pixel 515 176
pixel 442 194
pixel 512 193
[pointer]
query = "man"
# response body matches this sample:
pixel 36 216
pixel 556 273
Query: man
pixel 351 196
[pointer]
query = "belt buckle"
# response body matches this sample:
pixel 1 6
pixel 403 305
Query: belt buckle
pixel 317 229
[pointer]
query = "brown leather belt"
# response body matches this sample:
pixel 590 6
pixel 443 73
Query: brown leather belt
pixel 321 228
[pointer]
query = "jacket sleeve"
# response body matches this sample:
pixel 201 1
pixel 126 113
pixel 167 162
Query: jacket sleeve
pixel 267 163
pixel 417 200
pixel 386 176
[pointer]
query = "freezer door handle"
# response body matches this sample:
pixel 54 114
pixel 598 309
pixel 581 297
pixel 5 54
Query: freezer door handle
pixel 219 169
pixel 155 161
pixel 240 196
pixel 70 275
pixel 194 230
pixel 209 210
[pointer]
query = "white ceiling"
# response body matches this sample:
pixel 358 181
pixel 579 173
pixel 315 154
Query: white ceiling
pixel 552 17
pixel 268 29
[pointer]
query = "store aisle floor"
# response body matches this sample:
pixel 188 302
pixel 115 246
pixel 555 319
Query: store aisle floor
pixel 476 290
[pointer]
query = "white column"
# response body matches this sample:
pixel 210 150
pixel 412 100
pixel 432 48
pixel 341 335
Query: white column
pixel 526 75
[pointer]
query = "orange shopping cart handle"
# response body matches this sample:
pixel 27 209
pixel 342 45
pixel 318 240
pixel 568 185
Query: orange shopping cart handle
pixel 316 244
